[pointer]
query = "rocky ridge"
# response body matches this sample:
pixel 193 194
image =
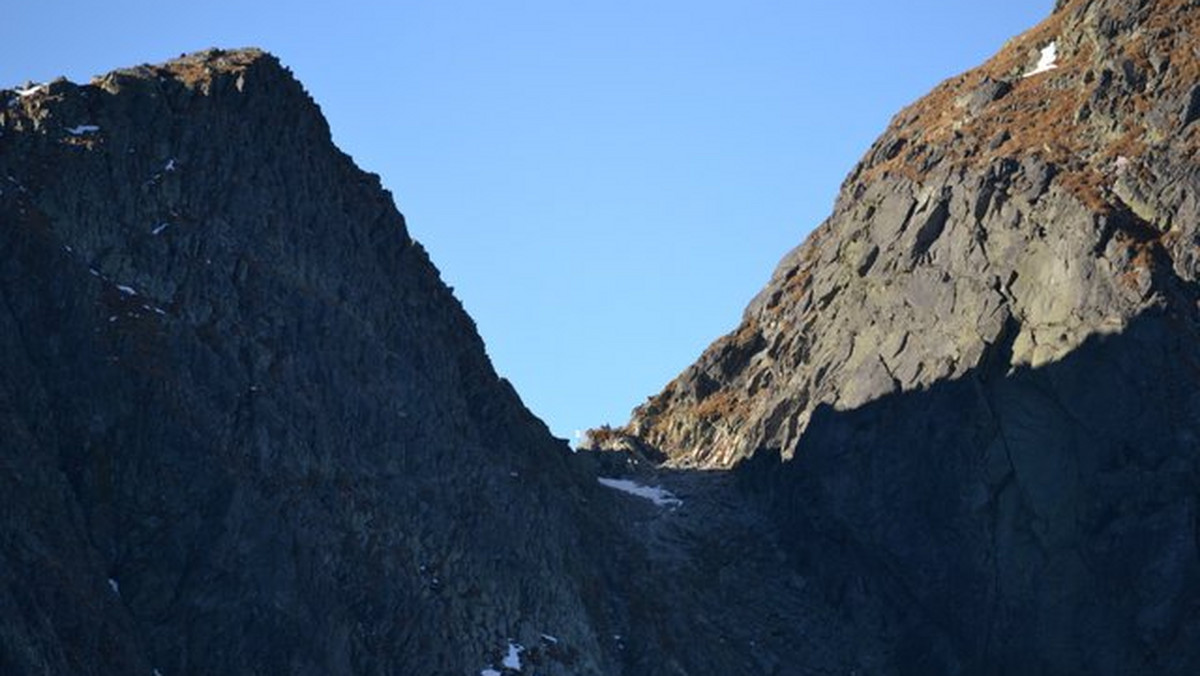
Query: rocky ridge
pixel 1054 207
pixel 970 400
pixel 246 428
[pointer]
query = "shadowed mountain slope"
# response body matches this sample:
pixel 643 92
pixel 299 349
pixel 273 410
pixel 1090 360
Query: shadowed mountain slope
pixel 970 401
pixel 245 427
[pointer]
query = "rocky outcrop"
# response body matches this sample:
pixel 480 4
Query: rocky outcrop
pixel 244 427
pixel 971 399
pixel 1058 205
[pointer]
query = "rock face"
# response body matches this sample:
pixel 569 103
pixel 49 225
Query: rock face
pixel 971 399
pixel 244 427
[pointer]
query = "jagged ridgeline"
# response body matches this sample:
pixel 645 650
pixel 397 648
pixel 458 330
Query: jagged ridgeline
pixel 979 379
pixel 1014 208
pixel 244 427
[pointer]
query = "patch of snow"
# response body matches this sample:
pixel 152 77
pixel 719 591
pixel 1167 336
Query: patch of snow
pixel 157 672
pixel 513 659
pixel 82 129
pixel 549 639
pixel 170 166
pixel 30 91
pixel 114 586
pixel 490 672
pixel 127 290
pixel 94 271
pixel 112 318
pixel 159 228
pixel 659 496
pixel 1048 60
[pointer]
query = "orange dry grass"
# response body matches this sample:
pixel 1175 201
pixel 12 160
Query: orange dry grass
pixel 1046 115
pixel 200 69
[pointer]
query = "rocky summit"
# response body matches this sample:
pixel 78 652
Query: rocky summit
pixel 970 401
pixel 246 429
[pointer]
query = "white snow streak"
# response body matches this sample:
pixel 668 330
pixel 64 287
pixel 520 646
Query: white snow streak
pixel 82 129
pixel 114 586
pixel 1048 60
pixel 513 659
pixel 159 228
pixel 659 496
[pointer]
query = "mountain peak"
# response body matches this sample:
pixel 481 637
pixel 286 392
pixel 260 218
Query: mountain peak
pixel 1079 129
pixel 230 380
pixel 1121 86
pixel 980 372
pixel 245 427
pixel 200 68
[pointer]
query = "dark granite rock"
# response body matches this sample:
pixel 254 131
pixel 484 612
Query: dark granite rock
pixel 244 427
pixel 971 395
pixel 989 90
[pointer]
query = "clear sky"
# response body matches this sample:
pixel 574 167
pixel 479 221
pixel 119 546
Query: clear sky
pixel 605 184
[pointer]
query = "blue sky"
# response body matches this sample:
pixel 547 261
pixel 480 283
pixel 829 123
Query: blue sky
pixel 604 184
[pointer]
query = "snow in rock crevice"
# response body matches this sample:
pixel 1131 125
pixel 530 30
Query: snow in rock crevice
pixel 510 662
pixel 1048 60
pixel 513 659
pixel 659 496
pixel 30 91
pixel 80 130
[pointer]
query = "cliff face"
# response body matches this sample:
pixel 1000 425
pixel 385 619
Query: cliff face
pixel 244 427
pixel 1053 206
pixel 970 401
